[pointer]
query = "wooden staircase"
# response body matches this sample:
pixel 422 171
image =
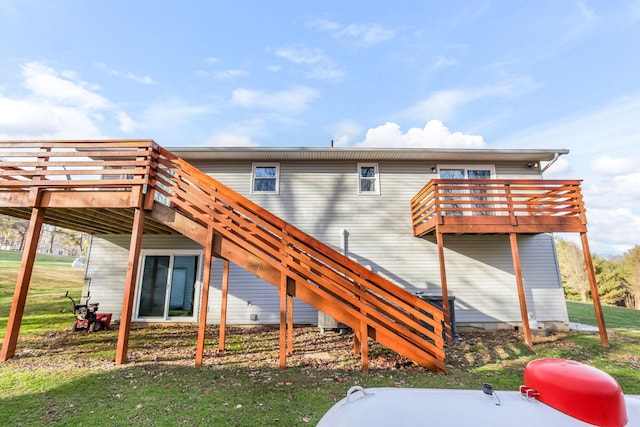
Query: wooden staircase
pixel 140 175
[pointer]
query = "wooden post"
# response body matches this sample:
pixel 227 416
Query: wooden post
pixel 283 320
pixel 289 324
pixel 130 286
pixel 595 295
pixel 443 286
pixel 22 283
pixel 223 306
pixel 204 302
pixel 364 343
pixel 515 253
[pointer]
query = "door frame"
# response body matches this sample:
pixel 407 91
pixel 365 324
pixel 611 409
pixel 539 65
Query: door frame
pixel 197 291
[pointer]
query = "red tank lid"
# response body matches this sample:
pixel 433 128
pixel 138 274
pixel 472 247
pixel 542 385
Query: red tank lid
pixel 581 391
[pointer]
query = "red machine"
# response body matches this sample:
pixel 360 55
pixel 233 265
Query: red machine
pixel 87 316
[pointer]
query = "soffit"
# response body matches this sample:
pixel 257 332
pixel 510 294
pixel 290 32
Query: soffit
pixel 378 154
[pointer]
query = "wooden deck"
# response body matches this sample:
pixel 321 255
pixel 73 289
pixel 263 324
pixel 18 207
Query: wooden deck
pixel 498 206
pixel 137 188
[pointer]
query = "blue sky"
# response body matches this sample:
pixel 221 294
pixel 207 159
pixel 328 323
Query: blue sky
pixel 480 74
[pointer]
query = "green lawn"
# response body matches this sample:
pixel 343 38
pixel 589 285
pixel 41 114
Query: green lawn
pixel 615 317
pixel 64 378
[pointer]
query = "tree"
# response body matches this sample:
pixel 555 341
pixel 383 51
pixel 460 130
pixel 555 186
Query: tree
pixel 573 270
pixel 610 279
pixel 631 264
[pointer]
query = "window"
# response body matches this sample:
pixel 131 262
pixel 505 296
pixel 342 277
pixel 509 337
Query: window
pixel 368 182
pixel 265 178
pixel 462 172
pixel 168 286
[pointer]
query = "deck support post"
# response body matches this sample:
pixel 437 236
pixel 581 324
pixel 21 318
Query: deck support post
pixel 204 302
pixel 289 324
pixel 515 253
pixel 22 282
pixel 223 306
pixel 595 295
pixel 364 346
pixel 282 362
pixel 130 286
pixel 443 286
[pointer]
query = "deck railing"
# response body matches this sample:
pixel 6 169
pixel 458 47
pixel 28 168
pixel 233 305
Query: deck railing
pixel 397 318
pixel 323 277
pixel 485 206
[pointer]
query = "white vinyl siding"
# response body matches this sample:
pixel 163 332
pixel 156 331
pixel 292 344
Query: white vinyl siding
pixel 319 198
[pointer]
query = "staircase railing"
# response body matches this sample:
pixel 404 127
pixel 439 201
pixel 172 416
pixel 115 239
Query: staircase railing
pixel 319 275
pixel 394 316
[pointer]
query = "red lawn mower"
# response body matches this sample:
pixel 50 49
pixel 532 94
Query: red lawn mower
pixel 87 316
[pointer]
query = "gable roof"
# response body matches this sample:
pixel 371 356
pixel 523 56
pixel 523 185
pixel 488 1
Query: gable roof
pixel 365 154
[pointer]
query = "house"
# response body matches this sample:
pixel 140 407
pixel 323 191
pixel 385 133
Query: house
pixel 469 230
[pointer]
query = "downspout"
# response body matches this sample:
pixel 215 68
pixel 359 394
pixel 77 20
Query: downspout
pixel 551 162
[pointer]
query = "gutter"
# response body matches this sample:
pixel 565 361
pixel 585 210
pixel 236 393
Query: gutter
pixel 551 162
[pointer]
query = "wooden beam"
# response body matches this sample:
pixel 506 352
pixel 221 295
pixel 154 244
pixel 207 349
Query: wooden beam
pixel 364 346
pixel 204 301
pixel 283 321
pixel 515 253
pixel 289 324
pixel 130 287
pixel 223 305
pixel 595 295
pixel 22 284
pixel 443 285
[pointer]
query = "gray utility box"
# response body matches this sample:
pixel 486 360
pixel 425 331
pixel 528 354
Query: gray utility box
pixel 326 322
pixel 436 301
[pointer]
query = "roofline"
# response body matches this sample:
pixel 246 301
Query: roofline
pixel 351 153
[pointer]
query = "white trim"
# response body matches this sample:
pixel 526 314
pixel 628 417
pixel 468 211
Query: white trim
pixel 196 291
pixel 376 179
pixel 253 177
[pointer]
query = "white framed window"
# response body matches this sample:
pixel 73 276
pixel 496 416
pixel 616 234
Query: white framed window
pixel 265 178
pixel 478 195
pixel 169 285
pixel 368 179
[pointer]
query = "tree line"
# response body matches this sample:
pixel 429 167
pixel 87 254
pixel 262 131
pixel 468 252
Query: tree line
pixel 618 279
pixel 53 240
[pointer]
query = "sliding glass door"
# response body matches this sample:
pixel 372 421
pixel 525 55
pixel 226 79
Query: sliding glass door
pixel 168 286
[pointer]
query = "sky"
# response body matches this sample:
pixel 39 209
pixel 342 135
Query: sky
pixel 549 74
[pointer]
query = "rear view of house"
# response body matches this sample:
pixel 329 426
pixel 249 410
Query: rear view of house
pixel 371 238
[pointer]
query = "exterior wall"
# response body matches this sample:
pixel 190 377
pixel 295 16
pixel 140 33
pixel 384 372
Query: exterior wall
pixel 106 271
pixel 321 198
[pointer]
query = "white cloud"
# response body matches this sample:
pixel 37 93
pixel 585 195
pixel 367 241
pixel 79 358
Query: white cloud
pixel 363 35
pixel 609 166
pixel 127 75
pixel 57 105
pixel 172 113
pixel 127 124
pixel 321 66
pixel 46 84
pixel 300 55
pixel 433 135
pixel 290 101
pixel 344 133
pixel 605 140
pixel 223 74
pixel 443 104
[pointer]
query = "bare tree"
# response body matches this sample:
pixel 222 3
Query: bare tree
pixel 573 269
pixel 632 276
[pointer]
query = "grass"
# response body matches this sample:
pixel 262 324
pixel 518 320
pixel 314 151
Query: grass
pixel 615 317
pixel 64 378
